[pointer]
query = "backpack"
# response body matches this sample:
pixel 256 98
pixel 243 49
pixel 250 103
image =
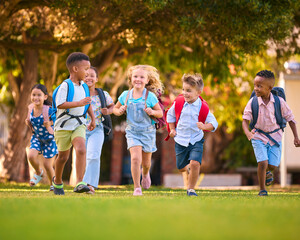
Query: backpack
pixel 106 119
pixel 179 102
pixel 159 122
pixel 277 92
pixel 70 96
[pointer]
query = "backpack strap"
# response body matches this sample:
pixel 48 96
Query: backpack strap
pixel 254 109
pixel 179 102
pixel 87 94
pixel 204 110
pixel 102 97
pixel 278 114
pixel 127 96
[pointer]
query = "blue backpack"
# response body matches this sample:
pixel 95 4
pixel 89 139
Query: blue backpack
pixel 277 92
pixel 70 96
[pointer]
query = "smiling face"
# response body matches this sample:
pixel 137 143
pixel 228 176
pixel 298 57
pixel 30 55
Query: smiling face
pixel 139 78
pixel 91 78
pixel 262 86
pixel 38 97
pixel 81 69
pixel 190 93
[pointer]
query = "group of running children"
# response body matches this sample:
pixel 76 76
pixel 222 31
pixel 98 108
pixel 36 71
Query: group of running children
pixel 79 115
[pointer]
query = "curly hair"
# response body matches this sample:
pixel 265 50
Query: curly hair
pixel 195 80
pixel 154 85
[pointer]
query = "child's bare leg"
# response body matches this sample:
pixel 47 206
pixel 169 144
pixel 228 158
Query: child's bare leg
pixel 32 156
pixel 146 162
pixel 60 164
pixel 261 173
pixel 47 122
pixel 80 149
pixel 194 174
pixel 185 175
pixel 48 164
pixel 136 159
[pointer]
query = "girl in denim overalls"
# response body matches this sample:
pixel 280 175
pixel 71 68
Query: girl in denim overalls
pixel 140 130
pixel 41 142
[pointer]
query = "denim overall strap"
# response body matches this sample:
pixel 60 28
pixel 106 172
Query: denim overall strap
pixel 137 118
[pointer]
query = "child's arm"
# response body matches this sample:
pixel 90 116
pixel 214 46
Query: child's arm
pixel 205 126
pixel 245 125
pixel 27 120
pixel 92 124
pixel 81 103
pixel 155 112
pixel 119 109
pixel 108 110
pixel 294 130
pixel 172 129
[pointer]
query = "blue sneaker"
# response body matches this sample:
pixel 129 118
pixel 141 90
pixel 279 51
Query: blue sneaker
pixel 58 188
pixel 191 192
pixel 81 188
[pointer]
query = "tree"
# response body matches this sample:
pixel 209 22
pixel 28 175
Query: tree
pixel 112 30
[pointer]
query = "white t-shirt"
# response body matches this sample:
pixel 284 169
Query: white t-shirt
pixel 61 97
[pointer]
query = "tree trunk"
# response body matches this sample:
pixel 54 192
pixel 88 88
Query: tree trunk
pixel 14 157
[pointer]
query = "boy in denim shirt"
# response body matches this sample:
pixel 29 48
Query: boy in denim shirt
pixel 188 134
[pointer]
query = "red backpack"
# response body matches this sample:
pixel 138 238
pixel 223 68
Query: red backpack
pixel 179 102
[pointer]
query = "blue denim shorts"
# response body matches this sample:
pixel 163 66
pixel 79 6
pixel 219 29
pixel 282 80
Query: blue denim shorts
pixel 267 152
pixel 145 137
pixel 185 154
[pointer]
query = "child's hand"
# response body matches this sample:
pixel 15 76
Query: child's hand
pixel 250 135
pixel 297 142
pixel 201 125
pixel 172 133
pixel 85 101
pixel 91 126
pixel 104 111
pixel 149 111
pixel 122 109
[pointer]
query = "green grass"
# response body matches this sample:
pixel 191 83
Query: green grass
pixel 161 213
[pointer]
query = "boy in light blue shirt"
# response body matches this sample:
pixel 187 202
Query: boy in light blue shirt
pixel 188 133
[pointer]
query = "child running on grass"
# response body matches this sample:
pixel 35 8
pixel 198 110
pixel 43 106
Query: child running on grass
pixel 95 138
pixel 69 128
pixel 140 103
pixel 266 134
pixel 187 130
pixel 42 141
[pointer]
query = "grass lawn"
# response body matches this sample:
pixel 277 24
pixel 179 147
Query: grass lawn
pixel 161 213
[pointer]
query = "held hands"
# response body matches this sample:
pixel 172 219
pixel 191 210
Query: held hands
pixel 104 111
pixel 172 133
pixel 84 101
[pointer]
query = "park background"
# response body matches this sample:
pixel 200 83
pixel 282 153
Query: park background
pixel 228 42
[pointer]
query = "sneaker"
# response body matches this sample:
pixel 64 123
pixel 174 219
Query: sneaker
pixel 146 181
pixel 269 178
pixel 81 187
pixel 191 192
pixel 58 188
pixel 51 188
pixel 92 190
pixel 262 193
pixel 137 192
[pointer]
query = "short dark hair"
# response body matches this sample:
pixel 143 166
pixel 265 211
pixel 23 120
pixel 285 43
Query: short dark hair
pixel 76 57
pixel 265 74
